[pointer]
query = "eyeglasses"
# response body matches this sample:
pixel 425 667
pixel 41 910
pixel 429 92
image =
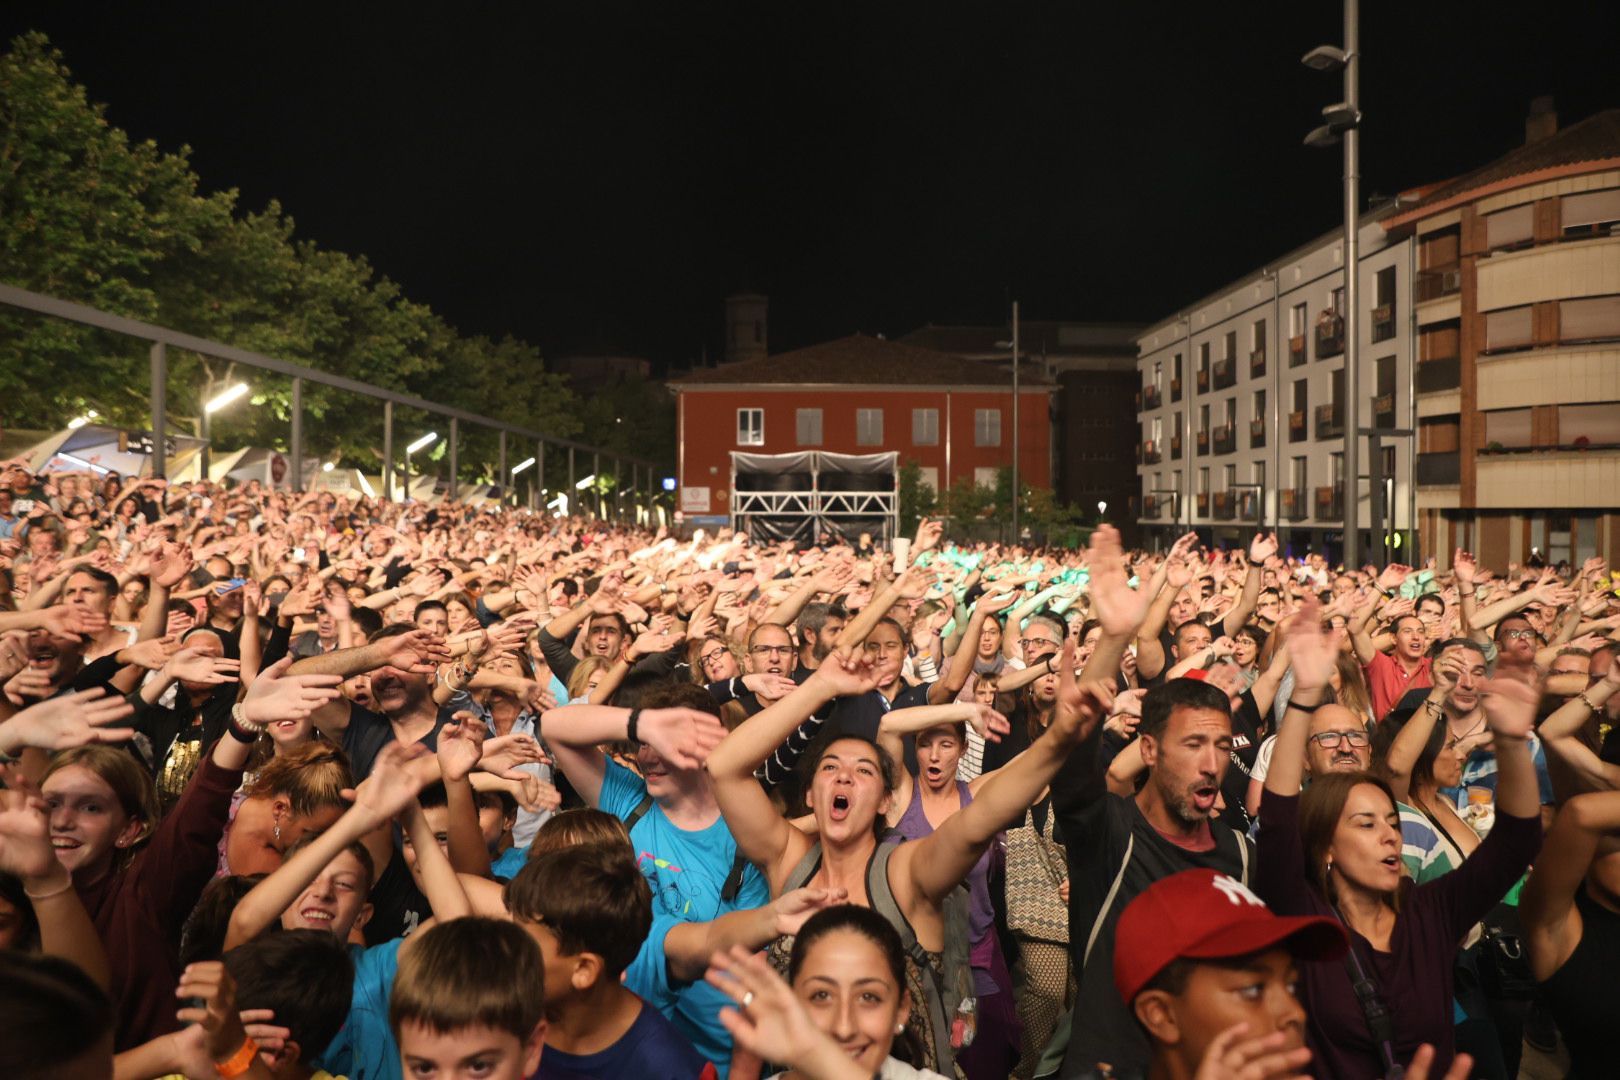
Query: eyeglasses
pixel 1037 643
pixel 1518 635
pixel 772 650
pixel 1327 740
pixel 708 658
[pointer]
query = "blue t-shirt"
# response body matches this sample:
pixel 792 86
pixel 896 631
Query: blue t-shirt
pixel 651 1050
pixel 686 869
pixel 693 1007
pixel 506 865
pixel 364 1048
pixel 1479 778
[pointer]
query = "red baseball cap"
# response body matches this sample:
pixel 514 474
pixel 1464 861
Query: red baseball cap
pixel 1206 915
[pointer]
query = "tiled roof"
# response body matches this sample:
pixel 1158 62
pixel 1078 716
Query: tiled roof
pixel 1597 138
pixel 860 360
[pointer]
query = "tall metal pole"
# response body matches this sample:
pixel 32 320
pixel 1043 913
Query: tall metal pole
pixel 455 459
pixel 573 492
pixel 205 458
pixel 298 434
pixel 1352 316
pixel 1015 426
pixel 540 473
pixel 388 450
pixel 596 484
pixel 158 392
pixel 505 479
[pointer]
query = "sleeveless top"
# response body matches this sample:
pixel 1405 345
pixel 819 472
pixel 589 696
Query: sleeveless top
pixel 914 825
pixel 1582 993
pixel 921 988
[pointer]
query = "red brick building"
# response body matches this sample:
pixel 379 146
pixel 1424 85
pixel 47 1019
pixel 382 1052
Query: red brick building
pixel 859 395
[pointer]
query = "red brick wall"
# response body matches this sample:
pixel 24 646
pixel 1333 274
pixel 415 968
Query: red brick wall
pixel 708 431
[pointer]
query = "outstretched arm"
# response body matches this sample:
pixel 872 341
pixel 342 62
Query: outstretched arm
pixel 1547 904
pixel 1261 548
pixel 1560 733
pixel 1314 650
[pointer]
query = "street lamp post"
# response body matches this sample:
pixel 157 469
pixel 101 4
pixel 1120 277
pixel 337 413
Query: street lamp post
pixel 1015 499
pixel 205 428
pixel 420 444
pixel 1343 123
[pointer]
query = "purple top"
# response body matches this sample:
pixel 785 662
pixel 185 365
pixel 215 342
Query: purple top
pixel 981 916
pixel 1415 976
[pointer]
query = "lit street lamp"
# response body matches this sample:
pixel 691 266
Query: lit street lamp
pixel 204 428
pixel 420 444
pixel 1102 508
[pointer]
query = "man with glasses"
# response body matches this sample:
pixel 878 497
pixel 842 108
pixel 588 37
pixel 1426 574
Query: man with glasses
pixel 1516 640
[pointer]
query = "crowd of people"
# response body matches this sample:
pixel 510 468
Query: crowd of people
pixel 313 786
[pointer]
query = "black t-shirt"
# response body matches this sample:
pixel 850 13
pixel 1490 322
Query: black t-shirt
pixel 369 732
pixel 397 905
pixel 862 714
pixel 1248 731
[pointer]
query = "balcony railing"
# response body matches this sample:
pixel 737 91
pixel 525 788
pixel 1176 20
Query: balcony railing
pixel 1150 397
pixel 1248 505
pixel 1226 439
pixel 1296 350
pixel 1294 503
pixel 1439 470
pixel 1151 454
pixel 1329 337
pixel 1383 410
pixel 1437 376
pixel 1203 381
pixel 1439 282
pixel 1257 434
pixel 1257 363
pixel 1203 504
pixel 1329 422
pixel 1175 448
pixel 1329 503
pixel 1151 507
pixel 1296 426
pixel 1225 506
pixel 1383 322
pixel 1203 442
pixel 1175 389
pixel 1225 372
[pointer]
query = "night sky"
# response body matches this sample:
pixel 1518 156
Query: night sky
pixel 597 176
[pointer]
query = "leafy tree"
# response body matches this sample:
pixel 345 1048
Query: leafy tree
pixel 917 499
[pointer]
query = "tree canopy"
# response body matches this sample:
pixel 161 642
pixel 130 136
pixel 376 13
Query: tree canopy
pixel 90 215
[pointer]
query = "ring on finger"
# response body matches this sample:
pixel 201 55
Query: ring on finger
pixel 747 999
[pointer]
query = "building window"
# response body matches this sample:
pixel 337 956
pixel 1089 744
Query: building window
pixel 928 477
pixel 924 427
pixel 1297 321
pixel 1514 227
pixel 987 427
pixel 985 476
pixel 809 426
pixel 868 427
pixel 1509 329
pixel 1591 213
pixel 1383 312
pixel 1593 318
pixel 750 427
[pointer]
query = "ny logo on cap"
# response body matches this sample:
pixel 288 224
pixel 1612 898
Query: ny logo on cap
pixel 1236 892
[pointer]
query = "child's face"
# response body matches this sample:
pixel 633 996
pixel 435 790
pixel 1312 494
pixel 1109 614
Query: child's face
pixel 472 1053
pixel 335 900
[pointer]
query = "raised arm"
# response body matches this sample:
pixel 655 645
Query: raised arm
pixel 688 945
pixel 65 928
pixel 1166 584
pixel 1414 734
pixel 1547 904
pixel 1261 548
pixel 684 738
pixel 417 651
pixel 1265 687
pixel 1358 623
pixel 1560 733
pixel 1313 649
pixel 961 665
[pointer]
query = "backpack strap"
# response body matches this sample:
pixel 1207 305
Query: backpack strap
pixel 734 880
pixel 881 895
pixel 1108 901
pixel 638 813
pixel 805 870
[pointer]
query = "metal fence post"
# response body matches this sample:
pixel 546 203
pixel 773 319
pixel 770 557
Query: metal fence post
pixel 298 434
pixel 505 480
pixel 388 450
pixel 160 410
pixel 599 506
pixel 540 473
pixel 573 492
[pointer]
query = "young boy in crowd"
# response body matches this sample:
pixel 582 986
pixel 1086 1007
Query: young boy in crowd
pixel 589 908
pixel 468 1001
pixel 305 978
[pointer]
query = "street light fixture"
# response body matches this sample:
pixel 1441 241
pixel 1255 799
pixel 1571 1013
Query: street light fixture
pixel 1102 507
pixel 225 397
pixel 520 466
pixel 420 444
pixel 585 483
pixel 204 427
pixel 1343 124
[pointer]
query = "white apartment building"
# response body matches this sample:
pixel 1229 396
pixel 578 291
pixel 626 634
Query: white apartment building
pixel 1242 402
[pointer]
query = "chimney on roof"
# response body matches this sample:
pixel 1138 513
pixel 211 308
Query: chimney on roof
pixel 745 327
pixel 1542 123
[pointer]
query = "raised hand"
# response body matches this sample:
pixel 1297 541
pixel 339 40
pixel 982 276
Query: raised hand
pixel 392 785
pixel 846 676
pixel 1313 649
pixel 928 533
pixel 769 1021
pixel 793 908
pixel 61 723
pixel 73 623
pixel 276 695
pixel 914 583
pixel 13 655
pixel 990 724
pixel 460 745
pixel 1462 1066
pixel 1393 575
pixel 1510 707
pixel 417 651
pixel 1262 547
pixel 769 687
pixel 210 983
pixel 502 755
pixel 25 835
pixel 1178 572
pixel 196 667
pixel 1080 706
pixel 682 737
pixel 171 566
pixel 1118 607
pixel 1233 1056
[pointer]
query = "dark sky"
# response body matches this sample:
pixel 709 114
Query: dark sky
pixel 598 176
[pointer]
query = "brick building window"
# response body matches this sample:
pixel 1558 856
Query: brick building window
pixel 924 427
pixel 987 427
pixel 750 427
pixel 808 422
pixel 868 427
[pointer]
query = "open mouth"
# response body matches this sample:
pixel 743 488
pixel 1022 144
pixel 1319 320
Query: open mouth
pixel 1392 863
pixel 1204 798
pixel 934 772
pixel 318 916
pixel 66 843
pixel 840 808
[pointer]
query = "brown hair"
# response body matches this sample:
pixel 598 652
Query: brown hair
pixel 470 972
pixel 579 682
pixel 361 853
pixel 1320 807
pixel 593 897
pixel 131 784
pixel 580 825
pixel 1352 692
pixel 311 777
